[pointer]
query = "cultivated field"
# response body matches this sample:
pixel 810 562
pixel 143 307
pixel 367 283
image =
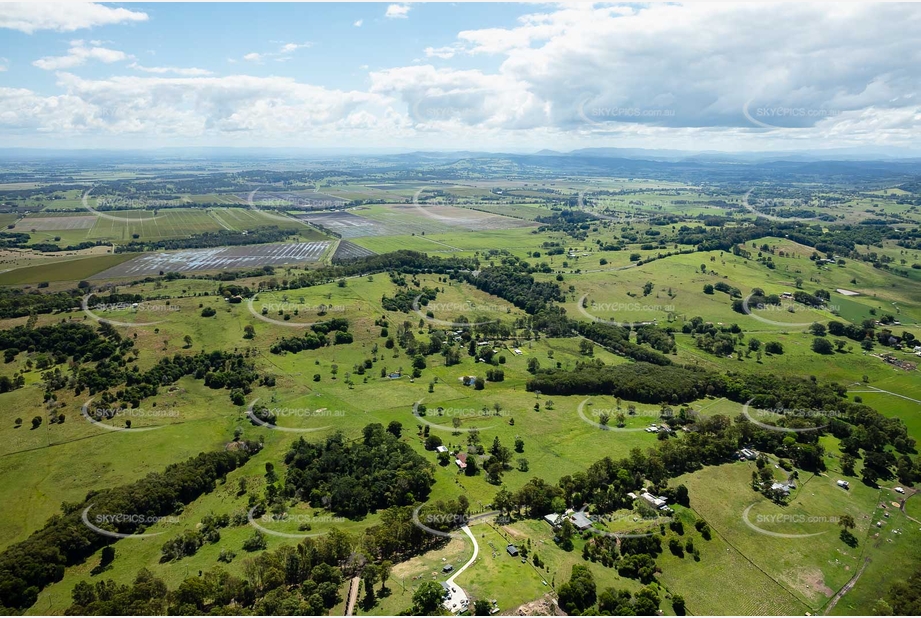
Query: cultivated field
pixel 249 256
pixel 46 224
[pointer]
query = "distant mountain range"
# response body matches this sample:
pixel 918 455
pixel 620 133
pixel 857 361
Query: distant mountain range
pixel 217 153
pixel 842 167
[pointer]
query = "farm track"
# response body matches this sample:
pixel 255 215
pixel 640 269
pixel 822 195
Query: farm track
pixel 873 389
pixel 847 587
pixel 353 595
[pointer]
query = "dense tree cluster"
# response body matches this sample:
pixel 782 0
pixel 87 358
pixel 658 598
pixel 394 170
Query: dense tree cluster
pixel 638 381
pixel 511 282
pixel 404 300
pixel 64 340
pixel 355 478
pixel 317 339
pixel 617 340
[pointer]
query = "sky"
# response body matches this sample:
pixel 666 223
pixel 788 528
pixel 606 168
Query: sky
pixel 511 77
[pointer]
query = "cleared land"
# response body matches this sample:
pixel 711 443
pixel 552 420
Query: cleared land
pixel 216 259
pixel 406 219
pixel 348 225
pixel 67 270
pixel 178 223
pixel 47 224
pixel 349 251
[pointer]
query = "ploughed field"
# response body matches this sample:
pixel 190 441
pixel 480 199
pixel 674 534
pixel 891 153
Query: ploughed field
pixel 349 251
pixel 406 219
pixel 219 258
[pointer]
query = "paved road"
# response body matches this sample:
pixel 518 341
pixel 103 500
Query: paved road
pixel 458 596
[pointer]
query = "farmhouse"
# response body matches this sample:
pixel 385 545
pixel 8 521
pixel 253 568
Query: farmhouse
pixel 461 461
pixel 783 487
pixel 747 454
pixel 441 449
pixel 554 519
pixel 655 502
pixel 511 549
pixel 580 521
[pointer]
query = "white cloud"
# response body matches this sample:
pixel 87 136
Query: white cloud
pixel 358 23
pixel 188 107
pixel 282 55
pixel 4 64
pixel 661 75
pixel 187 72
pixel 78 54
pixel 444 53
pixel 29 17
pixel 696 66
pixel 445 98
pixel 397 11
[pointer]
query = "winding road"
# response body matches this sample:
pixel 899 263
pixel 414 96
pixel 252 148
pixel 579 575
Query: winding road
pixel 453 603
